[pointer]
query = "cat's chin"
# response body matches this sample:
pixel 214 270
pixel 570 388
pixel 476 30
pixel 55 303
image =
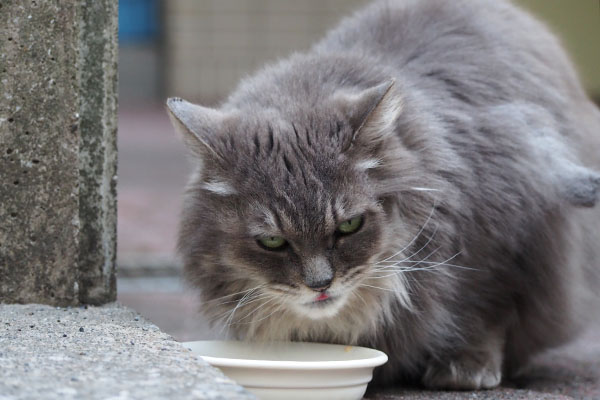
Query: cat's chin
pixel 320 309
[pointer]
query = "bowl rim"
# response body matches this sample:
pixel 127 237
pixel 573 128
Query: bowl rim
pixel 379 358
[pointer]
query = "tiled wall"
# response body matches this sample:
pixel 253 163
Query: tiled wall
pixel 211 44
pixel 577 23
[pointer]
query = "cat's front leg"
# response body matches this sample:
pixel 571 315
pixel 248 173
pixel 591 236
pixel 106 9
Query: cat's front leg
pixel 477 367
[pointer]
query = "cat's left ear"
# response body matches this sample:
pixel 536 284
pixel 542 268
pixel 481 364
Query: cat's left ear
pixel 372 113
pixel 198 126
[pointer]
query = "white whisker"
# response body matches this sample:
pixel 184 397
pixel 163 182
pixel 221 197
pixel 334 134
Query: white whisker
pixel 423 259
pixel 416 262
pixel 250 300
pixel 377 287
pixel 433 266
pixel 400 267
pixel 444 262
pixel 414 238
pixel 424 246
pixel 360 297
pixel 233 294
pixel 424 189
pixel 263 318
pixel 244 299
pixel 255 310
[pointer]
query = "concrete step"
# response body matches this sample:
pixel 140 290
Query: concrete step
pixel 108 352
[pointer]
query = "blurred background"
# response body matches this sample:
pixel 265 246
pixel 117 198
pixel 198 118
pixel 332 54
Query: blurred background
pixel 199 50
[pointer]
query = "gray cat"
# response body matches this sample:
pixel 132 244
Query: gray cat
pixel 421 181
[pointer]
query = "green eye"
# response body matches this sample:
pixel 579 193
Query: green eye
pixel 272 242
pixel 350 226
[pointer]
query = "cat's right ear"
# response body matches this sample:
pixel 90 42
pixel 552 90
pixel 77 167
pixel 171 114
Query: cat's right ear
pixel 372 113
pixel 197 125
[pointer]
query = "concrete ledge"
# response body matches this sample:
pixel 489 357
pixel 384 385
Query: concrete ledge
pixel 105 352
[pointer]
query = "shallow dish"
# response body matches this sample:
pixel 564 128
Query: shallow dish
pixel 294 371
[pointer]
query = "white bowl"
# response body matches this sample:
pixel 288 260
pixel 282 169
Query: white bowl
pixel 294 371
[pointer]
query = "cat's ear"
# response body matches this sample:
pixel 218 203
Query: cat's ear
pixel 197 125
pixel 372 113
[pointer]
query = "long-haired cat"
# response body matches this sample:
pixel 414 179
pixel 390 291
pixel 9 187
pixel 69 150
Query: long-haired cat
pixel 421 181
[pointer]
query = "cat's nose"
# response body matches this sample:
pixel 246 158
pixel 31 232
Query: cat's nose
pixel 320 285
pixel 318 273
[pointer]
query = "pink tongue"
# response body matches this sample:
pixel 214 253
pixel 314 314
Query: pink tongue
pixel 322 297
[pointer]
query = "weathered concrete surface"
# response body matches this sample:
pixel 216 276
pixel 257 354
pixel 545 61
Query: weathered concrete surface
pixel 105 352
pixel 39 152
pixel 98 150
pixel 57 151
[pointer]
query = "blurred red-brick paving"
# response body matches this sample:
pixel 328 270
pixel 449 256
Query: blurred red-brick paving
pixel 153 168
pixel 165 302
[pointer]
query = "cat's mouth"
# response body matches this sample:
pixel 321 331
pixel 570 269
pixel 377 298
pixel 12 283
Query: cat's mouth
pixel 322 300
pixel 325 304
pixel 322 297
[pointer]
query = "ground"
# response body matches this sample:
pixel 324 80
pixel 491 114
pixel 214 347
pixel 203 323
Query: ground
pixel 571 372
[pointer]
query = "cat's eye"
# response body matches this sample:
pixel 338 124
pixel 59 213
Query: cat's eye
pixel 350 226
pixel 272 242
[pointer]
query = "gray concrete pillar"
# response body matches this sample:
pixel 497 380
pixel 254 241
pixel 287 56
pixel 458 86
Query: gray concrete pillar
pixel 58 121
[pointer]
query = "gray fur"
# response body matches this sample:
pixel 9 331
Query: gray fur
pixel 460 131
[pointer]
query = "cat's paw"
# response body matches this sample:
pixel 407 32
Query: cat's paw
pixel 463 374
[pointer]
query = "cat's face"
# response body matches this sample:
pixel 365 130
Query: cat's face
pixel 305 226
pixel 287 209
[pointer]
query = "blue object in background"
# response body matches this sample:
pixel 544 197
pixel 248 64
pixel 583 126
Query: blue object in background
pixel 138 20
